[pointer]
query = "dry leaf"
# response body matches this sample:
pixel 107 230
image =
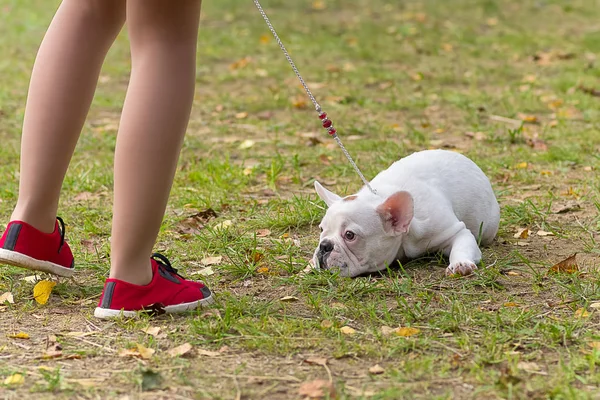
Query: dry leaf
pixel 376 370
pixel 326 324
pixel 223 225
pixel 263 233
pixel 211 260
pixel 513 273
pixel 289 298
pixel 581 313
pixel 42 291
pixel 246 144
pixel 20 335
pixel 317 389
pixel 208 271
pixel 316 360
pixel 544 233
pixel 325 159
pixel 386 330
pixel 7 297
pixel 594 345
pixel 208 353
pixel 346 330
pixel 522 234
pixel 567 266
pixel 30 278
pixel 511 304
pixel 528 366
pixel 299 102
pixel 595 305
pixel 180 350
pixel 15 379
pixel 406 331
pixel 145 352
pixel 262 270
pixel 151 330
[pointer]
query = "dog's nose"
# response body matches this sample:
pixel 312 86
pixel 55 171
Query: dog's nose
pixel 326 246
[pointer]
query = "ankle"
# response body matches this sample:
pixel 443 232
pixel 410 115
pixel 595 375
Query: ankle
pixel 136 273
pixel 43 223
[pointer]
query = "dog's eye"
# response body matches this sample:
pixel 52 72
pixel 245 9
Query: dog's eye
pixel 349 235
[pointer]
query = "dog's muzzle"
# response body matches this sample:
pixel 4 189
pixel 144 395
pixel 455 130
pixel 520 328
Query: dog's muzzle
pixel 325 249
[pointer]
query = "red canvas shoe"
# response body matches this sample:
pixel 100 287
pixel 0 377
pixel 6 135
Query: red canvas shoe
pixel 168 292
pixel 24 246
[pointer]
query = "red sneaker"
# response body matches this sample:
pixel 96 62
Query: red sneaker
pixel 168 292
pixel 24 246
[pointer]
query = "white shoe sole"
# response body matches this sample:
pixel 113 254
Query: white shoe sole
pixel 104 313
pixel 21 260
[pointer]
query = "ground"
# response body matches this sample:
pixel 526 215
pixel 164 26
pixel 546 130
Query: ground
pixel 512 84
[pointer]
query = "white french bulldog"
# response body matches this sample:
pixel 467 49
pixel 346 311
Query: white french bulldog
pixel 429 201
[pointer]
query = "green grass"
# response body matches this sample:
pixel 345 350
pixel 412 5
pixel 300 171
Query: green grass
pixel 395 78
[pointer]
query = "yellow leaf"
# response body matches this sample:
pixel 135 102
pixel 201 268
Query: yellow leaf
pixel 522 234
pixel 532 119
pixel 289 298
pixel 15 379
pixel 242 115
pixel 318 5
pixel 20 335
pixel 144 352
pixel 42 290
pixel 223 225
pixel 299 102
pixel 262 270
pixel 581 313
pixel 240 63
pixel 511 304
pixel 522 165
pixel 492 21
pixel 264 39
pixel 346 330
pixel 407 331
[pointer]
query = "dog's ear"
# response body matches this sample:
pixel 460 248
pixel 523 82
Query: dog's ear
pixel 396 212
pixel 328 197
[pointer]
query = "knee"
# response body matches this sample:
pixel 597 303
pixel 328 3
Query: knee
pixel 109 14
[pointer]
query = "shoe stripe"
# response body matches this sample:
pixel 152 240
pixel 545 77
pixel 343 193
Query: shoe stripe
pixel 167 275
pixel 205 292
pixel 11 237
pixel 108 294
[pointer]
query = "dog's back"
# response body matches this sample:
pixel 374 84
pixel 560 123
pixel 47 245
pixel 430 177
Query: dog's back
pixel 454 177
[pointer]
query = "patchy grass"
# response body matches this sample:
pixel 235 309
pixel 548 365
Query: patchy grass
pixel 509 84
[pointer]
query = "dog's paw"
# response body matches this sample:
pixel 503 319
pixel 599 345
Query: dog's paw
pixel 461 268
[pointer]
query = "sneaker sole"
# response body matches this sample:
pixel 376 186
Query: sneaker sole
pixel 104 313
pixel 21 260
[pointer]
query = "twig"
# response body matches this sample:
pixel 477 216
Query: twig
pixel 499 118
pixel 258 377
pixel 238 391
pixel 94 344
pixel 448 348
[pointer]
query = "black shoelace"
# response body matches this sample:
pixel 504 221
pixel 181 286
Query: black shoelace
pixel 165 264
pixel 62 232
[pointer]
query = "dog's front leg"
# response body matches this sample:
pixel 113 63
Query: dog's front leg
pixel 464 254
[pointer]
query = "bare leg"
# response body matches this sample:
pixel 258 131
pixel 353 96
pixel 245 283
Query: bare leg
pixel 157 108
pixel 62 86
